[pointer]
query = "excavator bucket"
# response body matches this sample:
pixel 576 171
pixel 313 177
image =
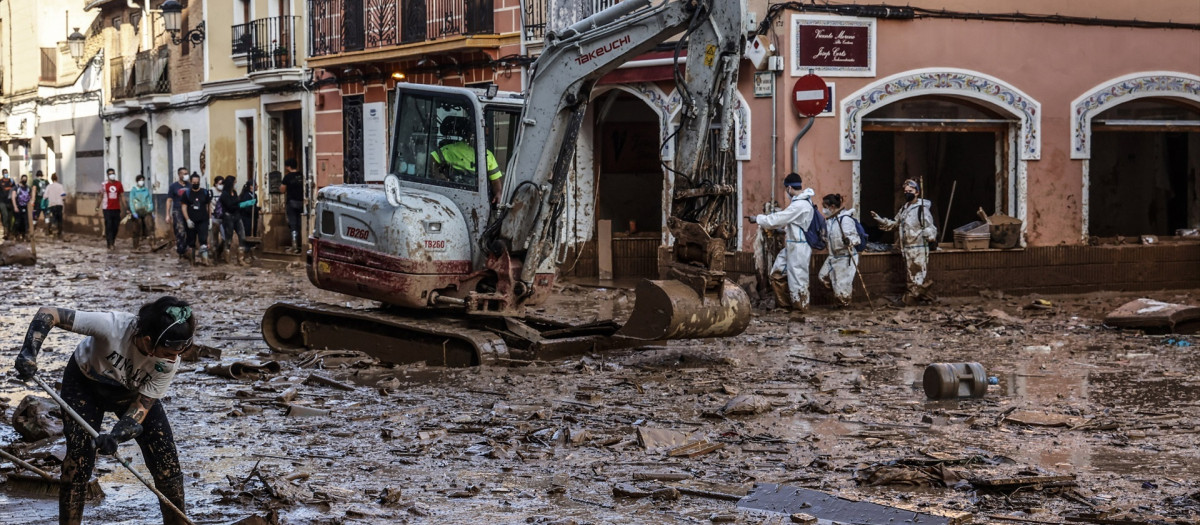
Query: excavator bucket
pixel 672 310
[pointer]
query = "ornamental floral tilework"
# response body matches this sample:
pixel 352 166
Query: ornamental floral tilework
pixel 941 82
pixel 1124 89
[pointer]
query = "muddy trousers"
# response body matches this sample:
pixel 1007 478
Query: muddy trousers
pixel 6 218
pixel 143 227
pixel 916 264
pixel 231 223
pixel 112 222
pixel 295 209
pixel 838 273
pixel 91 400
pixel 198 234
pixel 179 228
pixel 791 268
pixel 56 219
pixel 21 220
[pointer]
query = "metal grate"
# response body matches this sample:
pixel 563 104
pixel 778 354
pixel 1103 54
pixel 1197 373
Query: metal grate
pixel 268 43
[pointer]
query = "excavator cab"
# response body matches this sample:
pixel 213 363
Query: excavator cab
pixel 445 236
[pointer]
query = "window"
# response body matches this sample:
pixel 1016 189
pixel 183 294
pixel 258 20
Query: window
pixel 501 130
pixel 434 142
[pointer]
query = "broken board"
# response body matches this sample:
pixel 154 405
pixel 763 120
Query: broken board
pixel 787 500
pixel 1156 316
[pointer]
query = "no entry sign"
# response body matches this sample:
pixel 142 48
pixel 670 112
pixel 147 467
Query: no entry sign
pixel 809 95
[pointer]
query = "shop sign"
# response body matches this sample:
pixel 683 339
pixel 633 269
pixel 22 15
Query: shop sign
pixel 764 84
pixel 833 46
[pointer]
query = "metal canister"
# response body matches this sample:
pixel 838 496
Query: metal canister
pixel 953 380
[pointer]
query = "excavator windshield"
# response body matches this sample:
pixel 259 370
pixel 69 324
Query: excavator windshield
pixel 435 141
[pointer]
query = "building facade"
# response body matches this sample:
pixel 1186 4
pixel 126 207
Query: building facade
pixel 50 103
pixel 362 48
pixel 1082 122
pixel 260 106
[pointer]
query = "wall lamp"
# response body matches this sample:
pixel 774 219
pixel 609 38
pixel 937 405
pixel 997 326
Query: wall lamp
pixel 172 12
pixel 76 42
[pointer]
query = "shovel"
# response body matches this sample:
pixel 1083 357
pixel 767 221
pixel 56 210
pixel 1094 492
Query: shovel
pixel 125 462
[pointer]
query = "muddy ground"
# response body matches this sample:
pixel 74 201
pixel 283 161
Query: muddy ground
pixel 558 442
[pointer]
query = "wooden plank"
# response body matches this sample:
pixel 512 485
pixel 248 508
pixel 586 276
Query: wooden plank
pixel 784 499
pixel 604 252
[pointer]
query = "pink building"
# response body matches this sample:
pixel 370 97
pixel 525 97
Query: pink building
pixel 1082 119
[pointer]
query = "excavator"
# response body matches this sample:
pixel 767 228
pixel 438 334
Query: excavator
pixel 459 251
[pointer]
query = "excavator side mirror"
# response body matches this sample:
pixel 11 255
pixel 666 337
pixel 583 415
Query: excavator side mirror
pixel 391 188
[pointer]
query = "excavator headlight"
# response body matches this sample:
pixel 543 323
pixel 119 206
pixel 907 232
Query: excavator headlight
pixel 433 227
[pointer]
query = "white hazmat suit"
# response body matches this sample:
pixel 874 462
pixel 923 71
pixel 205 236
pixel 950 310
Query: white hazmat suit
pixel 916 228
pixel 793 260
pixel 842 263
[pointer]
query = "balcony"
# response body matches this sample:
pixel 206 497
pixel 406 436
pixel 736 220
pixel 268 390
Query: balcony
pixel 120 83
pixel 343 26
pixel 269 46
pixel 535 15
pixel 152 78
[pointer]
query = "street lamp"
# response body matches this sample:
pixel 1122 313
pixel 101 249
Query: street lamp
pixel 172 12
pixel 76 42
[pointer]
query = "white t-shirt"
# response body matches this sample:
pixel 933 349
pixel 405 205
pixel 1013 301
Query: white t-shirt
pixel 54 194
pixel 108 354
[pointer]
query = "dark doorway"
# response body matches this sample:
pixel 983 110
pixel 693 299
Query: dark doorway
pixel 629 182
pixel 951 146
pixel 1144 174
pixel 1143 183
pixel 964 162
pixel 352 134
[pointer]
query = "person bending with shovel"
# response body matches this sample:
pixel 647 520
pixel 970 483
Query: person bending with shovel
pixel 123 366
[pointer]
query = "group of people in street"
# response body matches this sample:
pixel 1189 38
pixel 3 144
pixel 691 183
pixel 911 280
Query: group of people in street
pixel 23 205
pixel 198 217
pixel 201 218
pixel 833 227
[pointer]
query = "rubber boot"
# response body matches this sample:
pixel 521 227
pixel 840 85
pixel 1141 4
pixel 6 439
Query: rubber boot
pixel 204 260
pixel 71 497
pixel 172 488
pixel 779 285
pixel 295 242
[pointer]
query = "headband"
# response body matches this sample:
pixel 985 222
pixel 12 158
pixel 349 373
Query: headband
pixel 180 314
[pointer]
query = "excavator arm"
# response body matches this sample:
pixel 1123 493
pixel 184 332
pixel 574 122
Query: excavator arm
pixel 525 239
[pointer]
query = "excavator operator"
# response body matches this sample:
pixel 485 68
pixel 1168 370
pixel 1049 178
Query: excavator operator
pixel 456 158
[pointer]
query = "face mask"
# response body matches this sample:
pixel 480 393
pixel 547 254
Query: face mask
pixel 910 196
pixel 220 187
pixel 196 186
pixel 824 211
pixel 141 183
pixel 112 177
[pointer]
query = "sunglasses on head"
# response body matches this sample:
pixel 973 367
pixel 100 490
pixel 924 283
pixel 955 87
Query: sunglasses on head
pixel 177 345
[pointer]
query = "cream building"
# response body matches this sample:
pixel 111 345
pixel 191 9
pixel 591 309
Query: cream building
pixel 49 103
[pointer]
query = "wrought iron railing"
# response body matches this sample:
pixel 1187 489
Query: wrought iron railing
pixel 534 18
pixel 151 72
pixel 337 26
pixel 121 82
pixel 267 43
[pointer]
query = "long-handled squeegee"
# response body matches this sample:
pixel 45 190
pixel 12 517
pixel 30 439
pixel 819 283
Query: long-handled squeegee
pixel 84 424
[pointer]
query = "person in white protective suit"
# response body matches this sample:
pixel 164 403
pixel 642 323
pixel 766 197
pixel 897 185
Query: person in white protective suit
pixel 789 274
pixel 841 237
pixel 916 229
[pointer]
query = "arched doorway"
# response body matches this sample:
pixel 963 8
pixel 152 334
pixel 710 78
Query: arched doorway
pixel 629 181
pixel 1144 172
pixel 164 160
pixel 957 148
pixel 133 152
pixel 970 89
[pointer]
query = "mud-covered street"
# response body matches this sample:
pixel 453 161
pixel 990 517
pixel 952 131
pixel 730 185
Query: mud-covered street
pixel 1107 420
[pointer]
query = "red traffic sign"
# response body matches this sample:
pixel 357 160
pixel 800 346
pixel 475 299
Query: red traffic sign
pixel 810 95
